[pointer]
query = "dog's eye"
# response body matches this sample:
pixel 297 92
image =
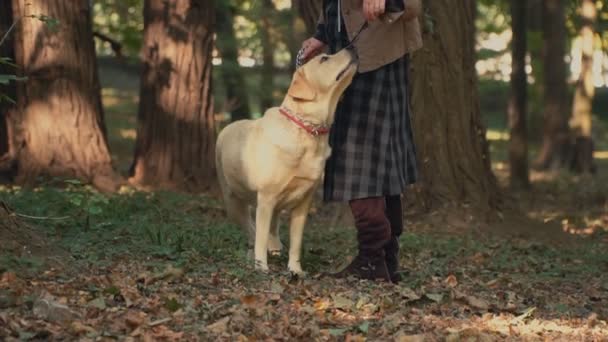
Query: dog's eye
pixel 323 59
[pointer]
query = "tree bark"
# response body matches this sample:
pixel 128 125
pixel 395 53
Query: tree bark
pixel 267 88
pixel 232 74
pixel 518 143
pixel 6 51
pixel 176 128
pixel 581 121
pixel 453 158
pixel 59 123
pixel 553 152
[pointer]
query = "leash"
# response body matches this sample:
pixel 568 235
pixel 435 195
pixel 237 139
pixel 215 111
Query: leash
pixel 300 55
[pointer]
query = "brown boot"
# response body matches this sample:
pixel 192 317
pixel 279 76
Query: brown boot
pixel 366 266
pixel 394 212
pixel 373 232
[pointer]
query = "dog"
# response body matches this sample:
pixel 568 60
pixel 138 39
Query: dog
pixel 276 162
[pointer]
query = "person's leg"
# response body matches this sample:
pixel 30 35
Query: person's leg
pixel 394 212
pixel 373 232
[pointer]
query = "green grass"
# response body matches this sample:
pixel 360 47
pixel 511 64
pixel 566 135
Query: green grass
pixel 181 227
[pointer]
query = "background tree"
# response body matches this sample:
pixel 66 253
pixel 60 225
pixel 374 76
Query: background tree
pixel 58 127
pixel 518 144
pixel 268 51
pixel 555 136
pixel 7 90
pixel 231 71
pixel 453 158
pixel 581 121
pixel 176 128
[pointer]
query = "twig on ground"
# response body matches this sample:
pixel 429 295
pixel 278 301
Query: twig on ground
pixel 41 217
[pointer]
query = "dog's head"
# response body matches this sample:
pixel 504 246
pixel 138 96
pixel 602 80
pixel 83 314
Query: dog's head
pixel 324 78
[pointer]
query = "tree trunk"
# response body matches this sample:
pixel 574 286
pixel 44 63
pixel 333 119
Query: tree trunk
pixel 267 88
pixel 585 91
pixel 309 11
pixel 232 74
pixel 6 51
pixel 453 159
pixel 176 128
pixel 518 144
pixel 554 148
pixel 59 123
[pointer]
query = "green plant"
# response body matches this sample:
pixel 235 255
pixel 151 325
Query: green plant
pixel 88 202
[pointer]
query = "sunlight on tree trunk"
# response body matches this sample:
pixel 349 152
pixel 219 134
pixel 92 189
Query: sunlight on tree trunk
pixel 518 143
pixel 585 91
pixel 6 107
pixel 176 128
pixel 553 152
pixel 452 151
pixel 232 74
pixel 59 124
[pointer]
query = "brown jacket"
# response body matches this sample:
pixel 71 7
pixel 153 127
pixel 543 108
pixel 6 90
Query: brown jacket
pixel 385 40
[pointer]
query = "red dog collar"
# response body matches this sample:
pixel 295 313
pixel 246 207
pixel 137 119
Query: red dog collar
pixel 311 128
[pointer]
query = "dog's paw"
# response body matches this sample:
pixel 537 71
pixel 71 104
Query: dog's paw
pixel 297 270
pixel 261 266
pixel 275 247
pixel 275 252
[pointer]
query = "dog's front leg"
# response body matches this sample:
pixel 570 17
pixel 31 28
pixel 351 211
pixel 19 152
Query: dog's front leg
pixel 296 232
pixel 263 220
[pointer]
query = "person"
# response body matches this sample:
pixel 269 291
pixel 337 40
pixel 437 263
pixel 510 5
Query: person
pixel 373 156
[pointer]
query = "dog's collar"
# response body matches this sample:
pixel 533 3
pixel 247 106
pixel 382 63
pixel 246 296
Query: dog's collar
pixel 311 128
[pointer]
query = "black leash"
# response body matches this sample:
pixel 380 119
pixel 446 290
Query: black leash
pixel 363 27
pixel 300 61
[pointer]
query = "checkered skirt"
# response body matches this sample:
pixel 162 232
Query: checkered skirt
pixel 372 144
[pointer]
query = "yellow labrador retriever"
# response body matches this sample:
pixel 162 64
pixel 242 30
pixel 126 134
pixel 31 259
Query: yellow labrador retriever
pixel 276 162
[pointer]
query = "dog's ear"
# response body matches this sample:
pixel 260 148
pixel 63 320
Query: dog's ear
pixel 301 88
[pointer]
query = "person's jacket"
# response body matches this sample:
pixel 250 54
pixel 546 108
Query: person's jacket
pixel 387 39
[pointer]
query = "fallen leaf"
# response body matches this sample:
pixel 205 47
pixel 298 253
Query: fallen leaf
pixel 276 288
pixel 527 313
pixel 363 327
pixel 435 297
pixel 79 328
pixel 402 337
pixel 409 294
pixel 219 326
pixel 477 303
pixel 170 273
pixel 451 281
pixel 52 311
pixel 251 301
pixel 341 302
pixel 134 319
pixel 98 303
pixel 337 332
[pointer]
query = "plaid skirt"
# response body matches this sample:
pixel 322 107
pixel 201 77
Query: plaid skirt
pixel 372 144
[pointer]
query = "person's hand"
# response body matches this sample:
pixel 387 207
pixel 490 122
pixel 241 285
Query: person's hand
pixel 311 47
pixel 373 9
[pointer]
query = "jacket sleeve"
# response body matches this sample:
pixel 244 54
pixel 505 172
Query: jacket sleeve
pixel 408 9
pixel 320 31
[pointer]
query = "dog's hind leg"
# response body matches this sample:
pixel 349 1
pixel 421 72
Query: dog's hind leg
pixel 239 211
pixel 274 244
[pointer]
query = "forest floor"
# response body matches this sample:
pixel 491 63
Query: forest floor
pixel 167 266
